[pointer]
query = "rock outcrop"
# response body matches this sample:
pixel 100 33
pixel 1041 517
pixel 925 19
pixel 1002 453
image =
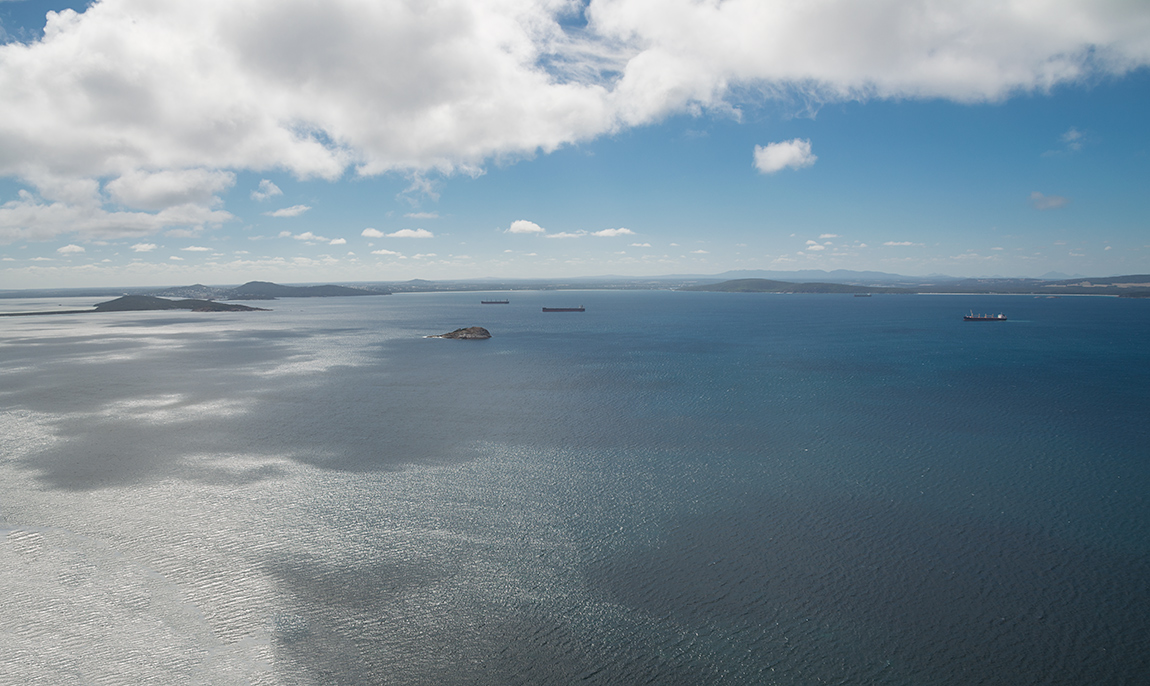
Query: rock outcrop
pixel 470 333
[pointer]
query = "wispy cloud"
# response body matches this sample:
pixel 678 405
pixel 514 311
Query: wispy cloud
pixel 640 245
pixel 567 234
pixel 611 233
pixel 422 215
pixel 900 244
pixel 793 154
pixel 381 251
pixel 411 233
pixel 266 190
pixel 293 211
pixel 143 247
pixel 1048 202
pixel 196 248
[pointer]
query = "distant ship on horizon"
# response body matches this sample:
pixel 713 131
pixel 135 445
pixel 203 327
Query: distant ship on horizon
pixel 494 302
pixel 564 309
pixel 972 317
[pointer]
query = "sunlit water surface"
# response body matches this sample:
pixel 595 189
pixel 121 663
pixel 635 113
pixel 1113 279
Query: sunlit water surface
pixel 670 488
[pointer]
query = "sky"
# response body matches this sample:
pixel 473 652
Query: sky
pixel 152 143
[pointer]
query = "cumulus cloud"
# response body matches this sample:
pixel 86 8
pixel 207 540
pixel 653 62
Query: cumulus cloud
pixel 165 95
pixel 293 211
pixel 411 233
pixel 70 249
pixel 143 247
pixel 1047 202
pixel 338 241
pixel 774 157
pixel 384 252
pixel 567 234
pixel 901 243
pixel 371 233
pixel 196 248
pixel 814 245
pixel 611 233
pixel 266 190
pixel 524 226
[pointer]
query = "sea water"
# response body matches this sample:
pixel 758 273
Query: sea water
pixel 668 488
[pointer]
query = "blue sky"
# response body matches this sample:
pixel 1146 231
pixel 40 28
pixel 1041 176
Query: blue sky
pixel 220 142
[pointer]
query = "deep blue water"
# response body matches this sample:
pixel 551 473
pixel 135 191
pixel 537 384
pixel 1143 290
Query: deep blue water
pixel 667 488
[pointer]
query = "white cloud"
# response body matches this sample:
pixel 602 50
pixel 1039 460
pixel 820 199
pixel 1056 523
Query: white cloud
pixel 196 248
pixel 156 191
pixel 1072 138
pixel 176 259
pixel 485 79
pixel 901 243
pixel 824 236
pixel 144 247
pixel 411 233
pixel 814 245
pixel 640 245
pixel 611 233
pixel 567 234
pixel 372 233
pixel 160 97
pixel 338 241
pixel 700 252
pixel 293 211
pixel 384 252
pixel 524 226
pixel 266 190
pixel 1047 202
pixel 70 249
pixel 794 154
pixel 422 215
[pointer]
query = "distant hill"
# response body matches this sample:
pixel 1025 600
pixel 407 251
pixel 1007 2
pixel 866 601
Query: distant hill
pixel 132 303
pixel 264 290
pixel 769 286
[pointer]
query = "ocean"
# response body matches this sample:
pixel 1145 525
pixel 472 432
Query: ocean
pixel 669 488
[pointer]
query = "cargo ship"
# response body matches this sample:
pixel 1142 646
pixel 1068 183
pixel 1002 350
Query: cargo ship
pixel 494 302
pixel 564 309
pixel 972 317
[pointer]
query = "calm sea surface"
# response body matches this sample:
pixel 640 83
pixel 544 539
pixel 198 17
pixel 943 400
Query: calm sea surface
pixel 669 488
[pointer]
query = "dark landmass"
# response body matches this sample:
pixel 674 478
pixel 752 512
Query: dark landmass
pixel 470 333
pixel 769 286
pixel 760 281
pixel 132 303
pixel 265 290
pixel 258 290
pixel 1130 286
pixel 141 303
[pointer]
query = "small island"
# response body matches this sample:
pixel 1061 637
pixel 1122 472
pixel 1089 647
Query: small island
pixel 473 333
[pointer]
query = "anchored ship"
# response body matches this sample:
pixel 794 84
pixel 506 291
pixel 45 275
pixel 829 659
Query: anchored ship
pixel 494 302
pixel 972 317
pixel 564 309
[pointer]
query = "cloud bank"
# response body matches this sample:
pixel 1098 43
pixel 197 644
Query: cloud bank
pixel 133 109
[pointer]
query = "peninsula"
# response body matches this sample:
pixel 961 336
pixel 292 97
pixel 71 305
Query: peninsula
pixel 140 303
